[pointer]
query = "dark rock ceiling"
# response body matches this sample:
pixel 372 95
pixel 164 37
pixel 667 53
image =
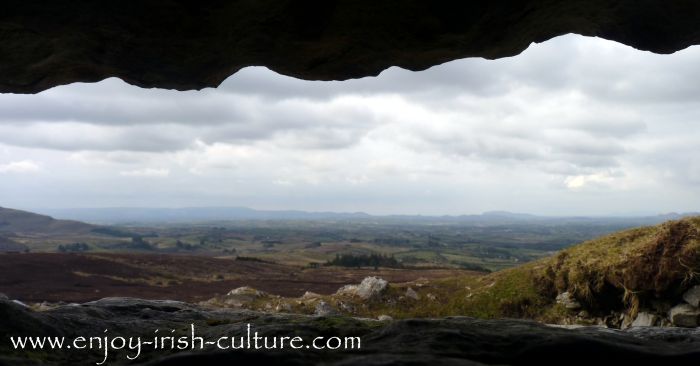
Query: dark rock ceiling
pixel 182 44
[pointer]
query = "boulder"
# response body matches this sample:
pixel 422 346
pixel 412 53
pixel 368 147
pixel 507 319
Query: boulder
pixel 308 295
pixel 324 309
pixel 241 296
pixel 384 318
pixel 350 290
pixel 283 307
pixel 411 294
pixel 369 288
pixel 684 315
pixel 568 301
pixel 245 290
pixel 645 319
pixel 347 307
pixel 692 296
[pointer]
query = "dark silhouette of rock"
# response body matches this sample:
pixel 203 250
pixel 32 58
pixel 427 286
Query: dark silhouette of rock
pixel 454 340
pixel 181 44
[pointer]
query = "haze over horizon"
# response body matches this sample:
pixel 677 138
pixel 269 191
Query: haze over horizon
pixel 574 126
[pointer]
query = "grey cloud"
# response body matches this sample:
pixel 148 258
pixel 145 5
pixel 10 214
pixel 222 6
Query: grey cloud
pixel 572 112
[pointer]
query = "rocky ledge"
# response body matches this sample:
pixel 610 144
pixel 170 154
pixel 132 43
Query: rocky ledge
pixel 454 340
pixel 192 44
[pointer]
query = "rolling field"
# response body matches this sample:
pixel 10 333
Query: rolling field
pixel 53 277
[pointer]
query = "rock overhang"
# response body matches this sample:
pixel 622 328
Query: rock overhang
pixel 185 45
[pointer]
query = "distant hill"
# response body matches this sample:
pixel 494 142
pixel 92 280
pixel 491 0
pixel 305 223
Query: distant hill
pixel 126 215
pixel 23 222
pixel 8 245
pixel 136 215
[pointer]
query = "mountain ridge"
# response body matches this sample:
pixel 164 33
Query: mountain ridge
pixel 14 222
pixel 121 215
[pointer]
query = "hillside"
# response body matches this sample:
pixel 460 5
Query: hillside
pixel 606 281
pixel 9 245
pixel 22 222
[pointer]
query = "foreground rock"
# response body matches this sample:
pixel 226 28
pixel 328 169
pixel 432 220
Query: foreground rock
pixel 684 315
pixel 457 340
pixel 692 296
pixel 568 301
pixel 645 319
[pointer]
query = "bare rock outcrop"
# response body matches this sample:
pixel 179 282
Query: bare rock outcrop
pixel 684 315
pixel 568 301
pixel 692 296
pixel 369 288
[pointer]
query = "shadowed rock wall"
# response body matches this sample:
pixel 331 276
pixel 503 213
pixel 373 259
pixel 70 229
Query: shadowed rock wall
pixel 184 44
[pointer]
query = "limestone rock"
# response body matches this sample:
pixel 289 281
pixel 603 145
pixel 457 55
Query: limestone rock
pixel 684 315
pixel 457 340
pixel 308 295
pixel 626 321
pixel 241 296
pixel 692 296
pixel 369 288
pixel 350 290
pixel 245 290
pixel 283 307
pixel 347 307
pixel 191 45
pixel 324 309
pixel 411 294
pixel 645 319
pixel 568 301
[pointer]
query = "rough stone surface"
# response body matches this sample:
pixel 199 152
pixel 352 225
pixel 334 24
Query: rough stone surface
pixel 645 319
pixel 371 287
pixel 455 340
pixel 412 294
pixel 191 45
pixel 308 295
pixel 324 309
pixel 245 290
pixel 283 307
pixel 568 301
pixel 692 296
pixel 349 290
pixel 384 318
pixel 684 315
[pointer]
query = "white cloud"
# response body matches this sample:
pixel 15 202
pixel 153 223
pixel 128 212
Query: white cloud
pixel 579 182
pixel 574 125
pixel 20 167
pixel 146 172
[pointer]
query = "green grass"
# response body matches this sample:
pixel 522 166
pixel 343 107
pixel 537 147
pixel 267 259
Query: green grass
pixel 621 271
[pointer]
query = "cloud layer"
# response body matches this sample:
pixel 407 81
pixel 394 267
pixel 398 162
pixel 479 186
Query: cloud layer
pixel 572 126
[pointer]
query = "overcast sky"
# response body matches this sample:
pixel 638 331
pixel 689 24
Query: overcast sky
pixel 572 126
